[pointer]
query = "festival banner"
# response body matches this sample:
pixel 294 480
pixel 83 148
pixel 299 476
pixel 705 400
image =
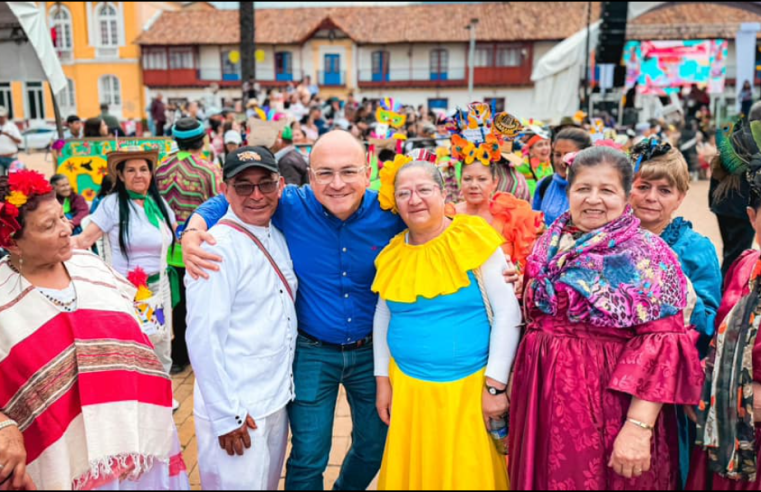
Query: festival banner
pixel 85 162
pixel 664 67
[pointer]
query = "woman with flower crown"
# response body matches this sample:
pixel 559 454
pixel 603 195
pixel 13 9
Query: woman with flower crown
pixel 446 330
pixel 84 401
pixel 510 216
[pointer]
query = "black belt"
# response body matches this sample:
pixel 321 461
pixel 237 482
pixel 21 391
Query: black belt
pixel 343 348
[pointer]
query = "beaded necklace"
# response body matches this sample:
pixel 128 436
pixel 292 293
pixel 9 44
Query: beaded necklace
pixel 66 306
pixel 69 306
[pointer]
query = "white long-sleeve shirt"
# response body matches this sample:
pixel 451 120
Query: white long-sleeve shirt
pixel 505 334
pixel 242 329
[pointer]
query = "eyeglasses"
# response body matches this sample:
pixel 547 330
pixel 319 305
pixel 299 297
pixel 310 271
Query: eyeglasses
pixel 422 192
pixel 348 175
pixel 247 189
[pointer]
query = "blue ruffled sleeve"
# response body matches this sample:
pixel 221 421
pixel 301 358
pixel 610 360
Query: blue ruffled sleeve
pixel 700 264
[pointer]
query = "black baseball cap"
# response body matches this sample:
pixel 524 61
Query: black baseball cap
pixel 249 157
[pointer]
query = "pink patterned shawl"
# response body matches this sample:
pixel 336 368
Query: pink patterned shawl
pixel 619 276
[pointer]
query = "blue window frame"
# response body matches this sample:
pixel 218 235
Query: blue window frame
pixel 284 66
pixel 381 62
pixel 441 103
pixel 439 65
pixel 332 76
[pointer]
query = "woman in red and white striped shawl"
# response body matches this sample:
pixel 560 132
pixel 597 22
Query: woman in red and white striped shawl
pixel 84 402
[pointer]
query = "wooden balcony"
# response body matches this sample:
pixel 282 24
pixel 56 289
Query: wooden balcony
pixel 204 77
pixel 171 78
pixel 502 76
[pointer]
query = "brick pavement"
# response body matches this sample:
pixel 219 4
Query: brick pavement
pixel 183 392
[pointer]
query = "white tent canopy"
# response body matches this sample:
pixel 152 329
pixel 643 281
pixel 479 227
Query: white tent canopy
pixel 557 75
pixel 26 47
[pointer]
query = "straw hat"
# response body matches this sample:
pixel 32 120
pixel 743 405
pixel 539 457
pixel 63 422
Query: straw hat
pixel 128 154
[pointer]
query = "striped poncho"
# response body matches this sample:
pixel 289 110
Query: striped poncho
pixel 89 395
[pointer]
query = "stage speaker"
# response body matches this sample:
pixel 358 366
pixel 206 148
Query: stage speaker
pixel 610 46
pixel 619 76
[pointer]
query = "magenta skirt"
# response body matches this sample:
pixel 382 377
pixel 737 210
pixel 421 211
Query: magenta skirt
pixel 572 389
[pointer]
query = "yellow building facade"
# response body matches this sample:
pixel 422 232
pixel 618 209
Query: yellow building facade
pixel 95 43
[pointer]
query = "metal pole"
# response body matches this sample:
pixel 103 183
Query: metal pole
pixel 585 101
pixel 247 43
pixel 472 57
pixel 58 126
pixel 253 43
pixel 56 109
pixel 56 113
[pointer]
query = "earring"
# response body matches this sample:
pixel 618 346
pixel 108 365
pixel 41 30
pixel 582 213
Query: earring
pixel 20 264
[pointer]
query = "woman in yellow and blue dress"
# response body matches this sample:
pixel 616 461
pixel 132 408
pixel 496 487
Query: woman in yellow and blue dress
pixel 446 332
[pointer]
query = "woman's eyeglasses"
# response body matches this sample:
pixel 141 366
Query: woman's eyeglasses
pixel 247 189
pixel 422 192
pixel 348 175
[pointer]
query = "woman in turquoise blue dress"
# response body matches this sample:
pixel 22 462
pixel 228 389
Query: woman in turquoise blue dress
pixel 660 186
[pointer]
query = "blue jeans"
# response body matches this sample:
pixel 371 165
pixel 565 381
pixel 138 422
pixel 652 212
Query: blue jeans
pixel 5 164
pixel 318 371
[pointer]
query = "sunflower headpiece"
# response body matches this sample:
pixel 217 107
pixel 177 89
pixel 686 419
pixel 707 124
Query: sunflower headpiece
pixel 481 133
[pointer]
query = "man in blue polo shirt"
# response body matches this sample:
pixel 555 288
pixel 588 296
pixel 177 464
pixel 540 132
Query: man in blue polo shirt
pixel 335 229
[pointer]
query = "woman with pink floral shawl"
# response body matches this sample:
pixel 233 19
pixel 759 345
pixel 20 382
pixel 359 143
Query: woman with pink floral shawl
pixel 606 355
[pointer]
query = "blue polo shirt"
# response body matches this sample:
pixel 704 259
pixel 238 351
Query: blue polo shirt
pixel 334 260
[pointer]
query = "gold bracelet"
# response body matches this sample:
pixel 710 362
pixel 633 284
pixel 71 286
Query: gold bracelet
pixel 641 425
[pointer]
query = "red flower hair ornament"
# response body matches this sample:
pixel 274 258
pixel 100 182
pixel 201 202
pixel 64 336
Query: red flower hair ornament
pixel 22 186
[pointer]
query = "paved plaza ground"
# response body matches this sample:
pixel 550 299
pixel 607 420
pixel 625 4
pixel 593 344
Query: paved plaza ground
pixel 695 209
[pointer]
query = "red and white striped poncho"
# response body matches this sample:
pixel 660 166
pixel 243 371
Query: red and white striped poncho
pixel 86 388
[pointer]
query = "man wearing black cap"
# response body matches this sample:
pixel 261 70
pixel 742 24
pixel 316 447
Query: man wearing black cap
pixel 242 333
pixel 186 181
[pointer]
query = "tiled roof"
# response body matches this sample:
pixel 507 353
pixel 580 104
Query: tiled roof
pixel 691 21
pixel 433 23
pixel 512 21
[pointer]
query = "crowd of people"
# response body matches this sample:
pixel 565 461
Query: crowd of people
pixel 480 286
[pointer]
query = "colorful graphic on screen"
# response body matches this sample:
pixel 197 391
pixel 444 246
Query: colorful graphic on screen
pixel 663 67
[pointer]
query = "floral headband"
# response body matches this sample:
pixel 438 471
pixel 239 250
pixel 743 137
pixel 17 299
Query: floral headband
pixel 387 176
pixel 469 153
pixel 23 186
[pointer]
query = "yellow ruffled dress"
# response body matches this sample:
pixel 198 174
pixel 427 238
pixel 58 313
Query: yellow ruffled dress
pixel 439 342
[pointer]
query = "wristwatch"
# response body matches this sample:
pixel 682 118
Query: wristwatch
pixel 494 391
